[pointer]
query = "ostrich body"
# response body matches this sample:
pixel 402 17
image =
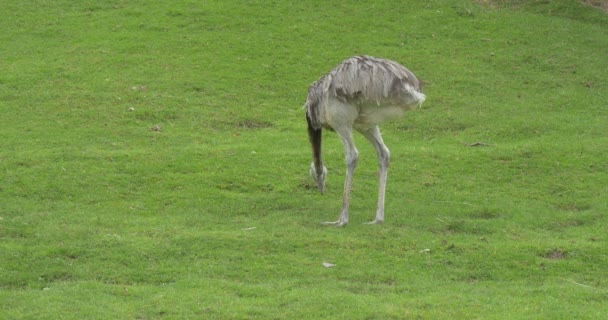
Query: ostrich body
pixel 360 93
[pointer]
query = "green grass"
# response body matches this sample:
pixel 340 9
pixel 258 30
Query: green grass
pixel 154 162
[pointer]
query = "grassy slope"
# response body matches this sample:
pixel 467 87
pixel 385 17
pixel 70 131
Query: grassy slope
pixel 101 217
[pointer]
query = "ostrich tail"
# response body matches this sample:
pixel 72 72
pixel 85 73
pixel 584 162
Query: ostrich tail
pixel 421 97
pixel 416 96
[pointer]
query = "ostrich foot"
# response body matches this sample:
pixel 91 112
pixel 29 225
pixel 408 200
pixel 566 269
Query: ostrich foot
pixel 377 221
pixel 338 223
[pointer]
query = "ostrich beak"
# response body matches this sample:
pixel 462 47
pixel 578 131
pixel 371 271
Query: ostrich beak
pixel 321 186
pixel 319 177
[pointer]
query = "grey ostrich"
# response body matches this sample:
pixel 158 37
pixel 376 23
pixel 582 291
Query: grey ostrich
pixel 360 93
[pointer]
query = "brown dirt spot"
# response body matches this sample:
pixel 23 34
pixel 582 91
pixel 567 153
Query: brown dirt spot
pixel 253 124
pixel 555 254
pixel 600 4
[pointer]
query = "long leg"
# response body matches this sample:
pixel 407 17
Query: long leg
pixel 351 155
pixel 373 135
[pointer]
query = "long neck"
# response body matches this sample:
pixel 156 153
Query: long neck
pixel 314 135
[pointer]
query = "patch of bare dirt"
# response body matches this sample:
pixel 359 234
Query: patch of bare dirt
pixel 600 4
pixel 555 254
pixel 253 124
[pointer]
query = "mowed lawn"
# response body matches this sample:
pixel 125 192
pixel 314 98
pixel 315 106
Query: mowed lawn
pixel 154 162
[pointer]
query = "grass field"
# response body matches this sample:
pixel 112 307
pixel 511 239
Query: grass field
pixel 154 162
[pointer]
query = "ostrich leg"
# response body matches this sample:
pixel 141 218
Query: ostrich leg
pixel 351 155
pixel 373 135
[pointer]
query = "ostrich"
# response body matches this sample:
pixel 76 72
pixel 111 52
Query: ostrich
pixel 360 93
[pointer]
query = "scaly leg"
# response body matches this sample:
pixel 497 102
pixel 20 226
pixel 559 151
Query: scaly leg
pixel 373 135
pixel 351 155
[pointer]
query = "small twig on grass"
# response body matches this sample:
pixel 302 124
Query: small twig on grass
pixel 580 284
pixel 478 144
pixel 456 202
pixel 440 220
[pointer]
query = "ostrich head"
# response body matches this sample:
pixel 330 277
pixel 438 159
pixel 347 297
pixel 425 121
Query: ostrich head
pixel 319 177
